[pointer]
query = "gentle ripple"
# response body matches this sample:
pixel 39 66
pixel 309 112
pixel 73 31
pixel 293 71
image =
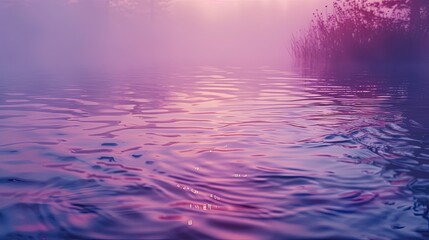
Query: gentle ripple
pixel 213 153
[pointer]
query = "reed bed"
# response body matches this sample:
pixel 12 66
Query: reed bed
pixel 363 34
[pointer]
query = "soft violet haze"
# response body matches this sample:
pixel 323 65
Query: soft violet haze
pixel 181 119
pixel 53 36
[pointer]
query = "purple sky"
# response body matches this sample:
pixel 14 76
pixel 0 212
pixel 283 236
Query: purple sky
pixel 59 35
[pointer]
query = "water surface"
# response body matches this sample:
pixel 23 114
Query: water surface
pixel 221 153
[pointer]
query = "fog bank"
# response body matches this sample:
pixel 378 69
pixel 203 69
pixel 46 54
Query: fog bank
pixel 58 36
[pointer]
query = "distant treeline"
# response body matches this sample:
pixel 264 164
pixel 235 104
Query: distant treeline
pixel 366 34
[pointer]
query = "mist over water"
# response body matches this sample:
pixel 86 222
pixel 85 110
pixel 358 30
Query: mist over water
pixel 176 119
pixel 102 35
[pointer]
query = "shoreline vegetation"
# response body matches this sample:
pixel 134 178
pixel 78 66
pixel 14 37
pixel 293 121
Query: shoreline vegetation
pixel 366 35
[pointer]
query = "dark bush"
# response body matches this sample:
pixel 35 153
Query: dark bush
pixel 365 34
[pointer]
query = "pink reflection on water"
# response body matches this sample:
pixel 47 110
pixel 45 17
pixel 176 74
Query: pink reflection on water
pixel 227 153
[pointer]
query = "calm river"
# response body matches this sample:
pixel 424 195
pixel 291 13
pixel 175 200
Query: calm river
pixel 213 153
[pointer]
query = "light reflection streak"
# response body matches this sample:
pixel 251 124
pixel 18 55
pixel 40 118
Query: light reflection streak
pixel 295 151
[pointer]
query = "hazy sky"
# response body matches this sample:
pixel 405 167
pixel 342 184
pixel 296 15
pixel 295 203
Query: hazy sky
pixel 59 35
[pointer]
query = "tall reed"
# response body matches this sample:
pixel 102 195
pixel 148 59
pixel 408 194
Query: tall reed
pixel 365 34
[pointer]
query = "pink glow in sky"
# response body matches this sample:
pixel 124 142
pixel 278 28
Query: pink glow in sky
pixel 58 35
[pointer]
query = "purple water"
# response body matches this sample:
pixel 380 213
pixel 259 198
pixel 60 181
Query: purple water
pixel 213 153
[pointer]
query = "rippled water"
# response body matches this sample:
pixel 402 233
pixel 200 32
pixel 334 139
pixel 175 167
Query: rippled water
pixel 213 153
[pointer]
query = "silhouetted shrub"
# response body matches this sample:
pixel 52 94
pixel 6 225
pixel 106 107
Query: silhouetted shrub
pixel 365 34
